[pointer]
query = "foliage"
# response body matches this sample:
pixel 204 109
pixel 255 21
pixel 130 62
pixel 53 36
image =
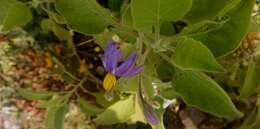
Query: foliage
pixel 183 45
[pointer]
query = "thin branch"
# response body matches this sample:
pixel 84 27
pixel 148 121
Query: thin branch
pixel 85 42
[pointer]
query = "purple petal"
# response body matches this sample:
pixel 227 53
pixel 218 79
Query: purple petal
pixel 126 65
pixel 148 111
pixel 133 71
pixel 150 114
pixel 111 57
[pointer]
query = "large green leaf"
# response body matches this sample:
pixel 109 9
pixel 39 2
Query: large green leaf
pixel 229 36
pixel 14 14
pixel 85 16
pixel 204 10
pixel 119 112
pixel 88 108
pixel 4 7
pixel 138 116
pixel 252 80
pixel 150 13
pixel 193 55
pixel 34 95
pixel 198 90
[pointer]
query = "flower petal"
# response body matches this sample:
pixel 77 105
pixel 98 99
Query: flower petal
pixel 126 65
pixel 150 114
pixel 148 111
pixel 133 71
pixel 111 57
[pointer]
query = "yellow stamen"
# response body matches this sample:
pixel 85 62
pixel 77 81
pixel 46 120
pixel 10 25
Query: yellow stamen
pixel 109 81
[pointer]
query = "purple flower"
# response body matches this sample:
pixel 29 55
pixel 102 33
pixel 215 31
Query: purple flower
pixel 117 67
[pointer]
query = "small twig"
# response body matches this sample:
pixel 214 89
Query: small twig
pixel 95 78
pixel 56 60
pixel 70 93
pixel 148 47
pixel 85 90
pixel 166 58
pixel 85 42
pixel 74 50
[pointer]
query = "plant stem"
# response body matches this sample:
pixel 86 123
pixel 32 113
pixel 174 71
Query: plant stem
pixel 70 93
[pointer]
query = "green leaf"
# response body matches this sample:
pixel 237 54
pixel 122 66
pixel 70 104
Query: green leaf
pixel 148 88
pixel 115 5
pixel 151 13
pixel 85 16
pixel 198 90
pixel 34 95
pixel 152 61
pixel 60 116
pixel 128 85
pixel 165 71
pixel 101 100
pixel 193 55
pixel 47 24
pixel 166 90
pixel 168 93
pixel 88 108
pixel 202 27
pixel 55 100
pixel 50 117
pixel 60 32
pixel 14 14
pixel 252 81
pixel 57 18
pixel 127 17
pixel 138 116
pixel 224 40
pixel 231 5
pixel 4 7
pixel 56 115
pixel 119 112
pixel 167 28
pixel 204 10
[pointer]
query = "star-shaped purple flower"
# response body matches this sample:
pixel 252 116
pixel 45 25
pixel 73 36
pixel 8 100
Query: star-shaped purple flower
pixel 117 67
